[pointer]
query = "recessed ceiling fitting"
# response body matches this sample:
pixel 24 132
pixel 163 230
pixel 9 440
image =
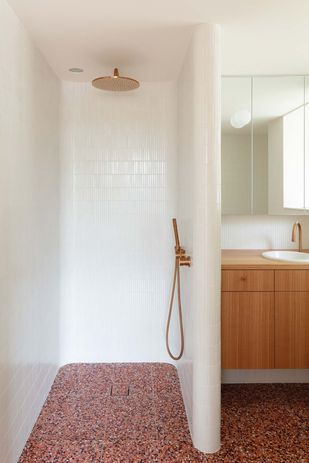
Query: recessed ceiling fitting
pixel 76 70
pixel 115 83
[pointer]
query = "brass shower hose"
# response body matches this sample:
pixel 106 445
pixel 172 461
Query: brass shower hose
pixel 182 337
pixel 180 260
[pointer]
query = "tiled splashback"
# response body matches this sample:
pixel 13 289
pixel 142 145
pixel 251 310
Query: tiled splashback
pixel 29 237
pixel 261 232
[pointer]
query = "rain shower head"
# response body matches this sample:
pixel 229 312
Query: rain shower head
pixel 115 83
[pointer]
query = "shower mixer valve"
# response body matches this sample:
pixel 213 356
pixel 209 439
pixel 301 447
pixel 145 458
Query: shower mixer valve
pixel 180 254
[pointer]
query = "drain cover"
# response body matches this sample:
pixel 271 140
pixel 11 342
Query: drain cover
pixel 120 390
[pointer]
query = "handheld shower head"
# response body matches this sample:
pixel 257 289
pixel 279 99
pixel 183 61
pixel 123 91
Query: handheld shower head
pixel 177 242
pixel 181 259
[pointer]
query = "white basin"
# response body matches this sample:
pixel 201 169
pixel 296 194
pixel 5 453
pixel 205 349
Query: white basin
pixel 287 256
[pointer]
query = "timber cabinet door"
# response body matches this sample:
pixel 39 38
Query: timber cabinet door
pixel 292 329
pixel 247 329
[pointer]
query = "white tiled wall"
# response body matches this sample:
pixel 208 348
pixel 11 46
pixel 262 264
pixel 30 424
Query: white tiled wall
pixel 118 197
pixel 199 225
pixel 261 232
pixel 29 298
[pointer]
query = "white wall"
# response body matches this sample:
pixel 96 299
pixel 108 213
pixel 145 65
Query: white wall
pixel 118 196
pixel 199 225
pixel 261 232
pixel 29 95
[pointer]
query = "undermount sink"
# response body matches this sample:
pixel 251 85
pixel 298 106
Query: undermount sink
pixel 287 256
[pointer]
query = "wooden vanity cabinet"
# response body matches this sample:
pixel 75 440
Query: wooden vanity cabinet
pixel 265 319
pixel 292 319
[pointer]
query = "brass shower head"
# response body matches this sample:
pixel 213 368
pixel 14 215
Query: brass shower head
pixel 115 83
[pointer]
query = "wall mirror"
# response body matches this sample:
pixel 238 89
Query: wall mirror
pixel 265 145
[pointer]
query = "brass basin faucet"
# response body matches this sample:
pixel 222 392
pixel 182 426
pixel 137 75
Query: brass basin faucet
pixel 300 235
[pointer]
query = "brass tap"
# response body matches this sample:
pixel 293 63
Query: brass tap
pixel 180 253
pixel 300 235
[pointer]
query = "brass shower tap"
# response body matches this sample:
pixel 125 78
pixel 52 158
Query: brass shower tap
pixel 184 260
pixel 180 253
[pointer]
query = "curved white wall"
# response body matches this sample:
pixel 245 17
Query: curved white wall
pixel 199 222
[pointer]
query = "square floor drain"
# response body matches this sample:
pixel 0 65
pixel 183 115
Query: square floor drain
pixel 120 390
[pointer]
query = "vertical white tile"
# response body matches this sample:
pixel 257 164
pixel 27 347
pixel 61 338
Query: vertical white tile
pixel 118 155
pixel 29 237
pixel 261 232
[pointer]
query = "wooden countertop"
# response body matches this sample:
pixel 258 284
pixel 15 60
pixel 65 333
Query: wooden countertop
pixel 253 259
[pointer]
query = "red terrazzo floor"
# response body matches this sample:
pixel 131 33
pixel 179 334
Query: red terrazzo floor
pixel 134 413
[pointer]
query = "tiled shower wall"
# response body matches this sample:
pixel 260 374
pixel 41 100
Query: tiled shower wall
pixel 29 217
pixel 118 198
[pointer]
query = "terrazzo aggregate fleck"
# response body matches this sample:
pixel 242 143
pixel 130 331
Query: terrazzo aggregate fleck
pixel 134 413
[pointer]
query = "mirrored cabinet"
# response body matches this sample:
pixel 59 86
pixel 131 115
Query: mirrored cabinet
pixel 265 145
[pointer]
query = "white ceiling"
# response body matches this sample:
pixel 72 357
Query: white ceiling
pixel 148 38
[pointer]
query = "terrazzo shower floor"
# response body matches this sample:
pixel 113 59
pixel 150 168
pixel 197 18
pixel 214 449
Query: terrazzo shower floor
pixel 134 413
